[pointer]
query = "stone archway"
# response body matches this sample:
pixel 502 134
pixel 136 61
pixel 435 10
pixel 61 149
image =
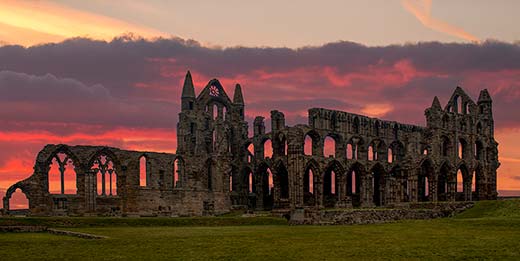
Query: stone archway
pixel 378 185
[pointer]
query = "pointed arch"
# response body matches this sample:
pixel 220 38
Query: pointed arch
pixel 178 172
pixel 331 180
pixel 463 183
pixel 312 142
pixel 266 186
pixel 105 165
pixel 310 180
pixel 281 179
pixel 61 175
pixel 443 178
pixel 356 146
pixel 425 176
pixel 267 148
pixel 354 177
pixel 378 175
pixel 15 203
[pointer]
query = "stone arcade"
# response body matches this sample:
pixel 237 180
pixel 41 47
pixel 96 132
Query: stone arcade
pixel 218 167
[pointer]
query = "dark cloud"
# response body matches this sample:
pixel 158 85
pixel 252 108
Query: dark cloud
pixel 48 99
pixel 136 83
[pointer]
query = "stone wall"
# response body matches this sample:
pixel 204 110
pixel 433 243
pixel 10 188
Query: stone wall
pixel 372 216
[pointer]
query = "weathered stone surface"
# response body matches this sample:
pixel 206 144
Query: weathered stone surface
pixel 376 162
pixel 372 216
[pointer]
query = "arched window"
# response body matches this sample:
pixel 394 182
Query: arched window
pixel 473 182
pixel 215 111
pixel 250 183
pixel 224 113
pixel 458 104
pixel 268 148
pixel 106 181
pixel 390 155
pixel 230 182
pixel 350 151
pixel 329 148
pixel 333 182
pixel 307 147
pixel 18 200
pixel 310 182
pixel 353 183
pixel 370 153
pixel 460 184
pixel 62 175
pixel 177 172
pixel 142 171
pixel 250 152
pixel 270 181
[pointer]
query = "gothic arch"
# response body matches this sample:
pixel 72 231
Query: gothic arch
pixel 316 142
pixel 311 177
pixel 104 163
pixel 379 176
pixel 264 182
pixel 281 180
pixel 425 176
pixel 331 181
pixel 11 190
pixel 62 165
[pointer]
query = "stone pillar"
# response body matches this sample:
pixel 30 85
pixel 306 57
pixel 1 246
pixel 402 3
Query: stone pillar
pixel 90 190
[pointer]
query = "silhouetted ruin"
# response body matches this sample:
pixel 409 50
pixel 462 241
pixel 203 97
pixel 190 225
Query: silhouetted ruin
pixel 375 162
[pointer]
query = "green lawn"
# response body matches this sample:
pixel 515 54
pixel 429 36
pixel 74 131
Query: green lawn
pixel 491 230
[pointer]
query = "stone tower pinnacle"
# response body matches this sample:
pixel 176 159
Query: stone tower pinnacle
pixel 237 97
pixel 188 91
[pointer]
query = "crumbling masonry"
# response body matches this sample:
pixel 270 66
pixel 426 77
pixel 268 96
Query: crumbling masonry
pixel 376 162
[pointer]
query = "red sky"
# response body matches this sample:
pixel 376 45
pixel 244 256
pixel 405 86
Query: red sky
pixel 125 93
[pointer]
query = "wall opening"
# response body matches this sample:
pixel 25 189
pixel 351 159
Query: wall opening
pixel 18 200
pixel 307 147
pixel 329 147
pixel 250 152
pixel 329 188
pixel 370 153
pixel 62 175
pixel 250 182
pixel 350 152
pixel 215 111
pixel 142 171
pixel 460 181
pixel 267 187
pixel 106 176
pixel 308 187
pixel 268 148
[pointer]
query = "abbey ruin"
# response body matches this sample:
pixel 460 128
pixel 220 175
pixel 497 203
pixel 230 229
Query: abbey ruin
pixel 218 167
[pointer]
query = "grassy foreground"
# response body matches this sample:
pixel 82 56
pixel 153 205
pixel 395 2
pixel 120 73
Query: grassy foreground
pixel 490 230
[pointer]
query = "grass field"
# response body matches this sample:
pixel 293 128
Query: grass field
pixel 490 230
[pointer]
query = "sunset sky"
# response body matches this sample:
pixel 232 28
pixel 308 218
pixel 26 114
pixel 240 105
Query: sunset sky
pixel 110 72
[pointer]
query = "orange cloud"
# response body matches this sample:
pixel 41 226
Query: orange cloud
pixel 35 22
pixel 421 9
